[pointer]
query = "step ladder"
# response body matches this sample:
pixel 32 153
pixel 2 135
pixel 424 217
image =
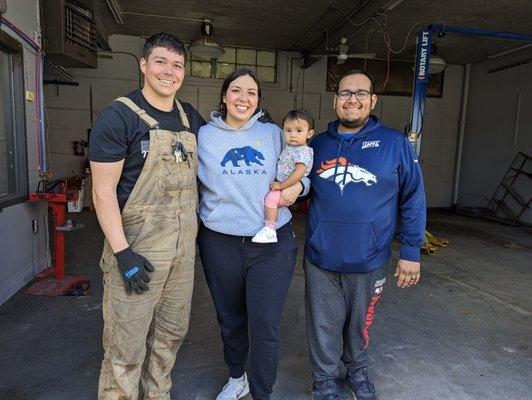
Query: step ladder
pixel 507 204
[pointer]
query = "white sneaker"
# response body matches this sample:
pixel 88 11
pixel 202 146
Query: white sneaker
pixel 235 388
pixel 265 235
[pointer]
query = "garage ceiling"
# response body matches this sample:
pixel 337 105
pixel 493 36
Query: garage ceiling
pixel 301 25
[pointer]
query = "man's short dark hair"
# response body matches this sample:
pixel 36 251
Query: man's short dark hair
pixel 165 40
pixel 359 72
pixel 301 114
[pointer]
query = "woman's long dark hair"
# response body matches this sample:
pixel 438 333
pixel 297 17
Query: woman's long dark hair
pixel 237 73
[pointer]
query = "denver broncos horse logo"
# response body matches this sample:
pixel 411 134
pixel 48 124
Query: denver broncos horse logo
pixel 342 173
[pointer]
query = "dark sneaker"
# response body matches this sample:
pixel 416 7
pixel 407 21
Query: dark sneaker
pixel 359 386
pixel 326 390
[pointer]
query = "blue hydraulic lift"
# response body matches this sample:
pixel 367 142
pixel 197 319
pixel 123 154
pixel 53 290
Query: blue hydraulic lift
pixel 421 80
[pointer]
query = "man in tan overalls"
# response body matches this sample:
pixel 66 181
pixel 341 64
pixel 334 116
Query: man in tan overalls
pixel 144 161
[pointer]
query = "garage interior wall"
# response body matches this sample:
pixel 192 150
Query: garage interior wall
pixel 68 115
pixel 23 253
pixel 488 144
pixel 493 134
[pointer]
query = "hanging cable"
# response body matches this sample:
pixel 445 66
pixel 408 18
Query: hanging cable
pixel 296 94
pixel 38 115
pixel 388 64
pixel 348 18
pixel 128 54
pixel 385 16
pixel 441 32
pixel 39 67
pixel 381 26
pixel 366 50
pixel 388 41
pixel 385 36
pixel 47 135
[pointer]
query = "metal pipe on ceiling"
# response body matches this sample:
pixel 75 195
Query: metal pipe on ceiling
pixel 116 11
pixel 164 16
pixel 391 5
pixel 510 51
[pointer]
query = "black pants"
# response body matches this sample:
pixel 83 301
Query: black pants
pixel 249 284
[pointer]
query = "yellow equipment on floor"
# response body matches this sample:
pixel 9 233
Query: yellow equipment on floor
pixel 433 243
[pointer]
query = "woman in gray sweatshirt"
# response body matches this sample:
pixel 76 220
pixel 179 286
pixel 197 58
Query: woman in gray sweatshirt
pixel 238 151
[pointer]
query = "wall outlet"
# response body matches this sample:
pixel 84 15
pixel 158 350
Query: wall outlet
pixel 30 96
pixel 34 226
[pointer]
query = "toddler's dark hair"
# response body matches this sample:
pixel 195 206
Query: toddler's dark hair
pixel 301 114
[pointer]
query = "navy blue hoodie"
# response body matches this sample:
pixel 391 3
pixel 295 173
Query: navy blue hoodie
pixel 358 186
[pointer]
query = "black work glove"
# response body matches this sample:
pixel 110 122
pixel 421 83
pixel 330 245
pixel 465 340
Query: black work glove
pixel 133 267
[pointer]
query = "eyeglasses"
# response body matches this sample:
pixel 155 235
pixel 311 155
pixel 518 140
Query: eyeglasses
pixel 360 94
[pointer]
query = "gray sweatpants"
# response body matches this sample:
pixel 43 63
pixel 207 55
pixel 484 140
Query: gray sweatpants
pixel 339 311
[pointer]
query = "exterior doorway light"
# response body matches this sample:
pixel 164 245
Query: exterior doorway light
pixel 205 47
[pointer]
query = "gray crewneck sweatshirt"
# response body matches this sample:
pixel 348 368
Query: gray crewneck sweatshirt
pixel 235 169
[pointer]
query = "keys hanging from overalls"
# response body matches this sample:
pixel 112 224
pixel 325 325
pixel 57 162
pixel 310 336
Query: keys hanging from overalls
pixel 180 152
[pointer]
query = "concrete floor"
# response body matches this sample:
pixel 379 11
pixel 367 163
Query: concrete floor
pixel 463 333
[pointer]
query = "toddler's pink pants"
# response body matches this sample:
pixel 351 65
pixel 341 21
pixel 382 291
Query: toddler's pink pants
pixel 272 199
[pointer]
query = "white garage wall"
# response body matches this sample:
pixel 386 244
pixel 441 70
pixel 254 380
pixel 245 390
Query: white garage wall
pixel 23 254
pixel 68 111
pixel 489 137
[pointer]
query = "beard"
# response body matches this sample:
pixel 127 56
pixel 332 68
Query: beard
pixel 354 123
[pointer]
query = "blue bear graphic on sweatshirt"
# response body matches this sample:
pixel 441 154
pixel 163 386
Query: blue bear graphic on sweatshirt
pixel 247 153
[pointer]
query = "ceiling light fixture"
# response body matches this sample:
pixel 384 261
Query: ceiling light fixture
pixel 436 64
pixel 205 47
pixel 114 7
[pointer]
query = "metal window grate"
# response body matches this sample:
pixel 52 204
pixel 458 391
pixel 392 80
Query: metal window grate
pixel 80 28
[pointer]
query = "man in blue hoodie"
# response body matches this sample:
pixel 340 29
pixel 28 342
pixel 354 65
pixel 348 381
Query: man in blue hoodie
pixel 363 174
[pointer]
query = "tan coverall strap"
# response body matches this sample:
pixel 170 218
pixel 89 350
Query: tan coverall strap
pixel 151 122
pixel 184 117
